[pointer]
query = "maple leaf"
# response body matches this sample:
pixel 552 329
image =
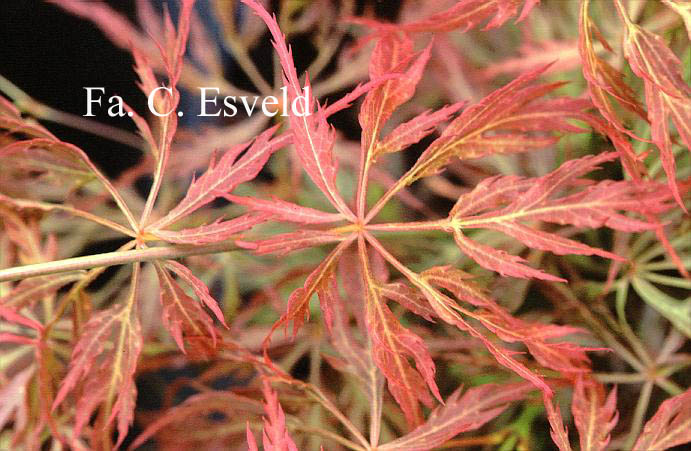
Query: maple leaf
pixel 393 344
pixel 594 415
pixel 532 55
pixel 182 315
pixel 392 54
pixel 667 94
pixel 559 432
pixel 318 282
pixel 223 176
pixel 281 210
pixel 448 310
pixel 29 291
pixel 275 436
pixel 503 122
pixel 11 399
pixel 567 358
pixel 106 375
pixel 669 427
pixel 464 15
pixel 595 206
pixel 313 137
pixel 603 80
pixel 50 157
pixel 359 359
pixel 214 232
pixel 408 297
pixel 289 242
pixel 463 411
pixel 411 132
pixel 61 164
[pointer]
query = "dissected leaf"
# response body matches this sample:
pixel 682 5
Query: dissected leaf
pixel 29 291
pixel 317 282
pixel 509 120
pixel 182 315
pixel 313 137
pixel 463 411
pixel 667 94
pixel 392 346
pixel 359 360
pixel 224 176
pixel 103 363
pixel 293 241
pixel 604 81
pixel 415 129
pixel 595 206
pixel 595 416
pixel 392 54
pixel 275 436
pixel 200 289
pixel 11 399
pixel 50 159
pixel 214 232
pixel 558 431
pixel 466 15
pixel 670 426
pixel 283 211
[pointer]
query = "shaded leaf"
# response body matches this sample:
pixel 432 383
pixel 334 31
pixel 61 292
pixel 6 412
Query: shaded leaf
pixel 200 289
pixel 678 312
pixel 48 158
pixel 29 291
pixel 318 281
pixel 182 315
pixel 289 242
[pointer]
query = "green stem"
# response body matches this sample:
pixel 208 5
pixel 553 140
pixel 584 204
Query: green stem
pixel 639 414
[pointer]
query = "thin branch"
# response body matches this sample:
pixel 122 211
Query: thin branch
pixel 113 259
pixel 639 414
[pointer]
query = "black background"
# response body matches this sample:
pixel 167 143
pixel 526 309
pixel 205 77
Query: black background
pixel 52 56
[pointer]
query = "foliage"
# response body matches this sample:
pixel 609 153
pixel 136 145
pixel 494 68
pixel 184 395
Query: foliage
pixel 452 286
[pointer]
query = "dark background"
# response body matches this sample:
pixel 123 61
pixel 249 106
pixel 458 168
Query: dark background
pixel 52 55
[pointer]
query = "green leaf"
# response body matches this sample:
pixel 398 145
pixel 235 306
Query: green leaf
pixel 676 311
